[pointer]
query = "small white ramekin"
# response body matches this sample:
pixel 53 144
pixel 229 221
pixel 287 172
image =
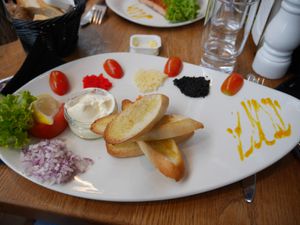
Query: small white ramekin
pixel 145 44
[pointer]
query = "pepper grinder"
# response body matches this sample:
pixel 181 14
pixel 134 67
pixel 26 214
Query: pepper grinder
pixel 282 36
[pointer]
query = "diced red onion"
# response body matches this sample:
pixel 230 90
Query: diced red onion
pixel 51 161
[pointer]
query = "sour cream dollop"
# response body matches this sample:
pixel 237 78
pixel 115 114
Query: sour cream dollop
pixel 84 108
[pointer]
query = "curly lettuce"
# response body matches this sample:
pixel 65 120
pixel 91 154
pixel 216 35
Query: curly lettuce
pixel 15 119
pixel 181 10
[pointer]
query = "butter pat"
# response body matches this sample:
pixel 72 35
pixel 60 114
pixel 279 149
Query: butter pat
pixel 145 44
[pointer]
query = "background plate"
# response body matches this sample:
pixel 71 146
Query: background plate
pixel 120 8
pixel 211 155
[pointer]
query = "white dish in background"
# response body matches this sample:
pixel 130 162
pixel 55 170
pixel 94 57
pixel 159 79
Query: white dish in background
pixel 157 20
pixel 145 44
pixel 211 155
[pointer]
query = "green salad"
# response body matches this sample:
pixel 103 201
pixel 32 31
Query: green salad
pixel 15 119
pixel 181 10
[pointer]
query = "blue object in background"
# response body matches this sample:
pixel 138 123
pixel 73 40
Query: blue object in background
pixel 41 222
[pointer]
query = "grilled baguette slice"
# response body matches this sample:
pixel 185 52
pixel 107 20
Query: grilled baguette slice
pixel 171 126
pixel 124 150
pixel 136 119
pixel 132 149
pixel 165 156
pixel 40 9
pixel 99 125
pixel 126 103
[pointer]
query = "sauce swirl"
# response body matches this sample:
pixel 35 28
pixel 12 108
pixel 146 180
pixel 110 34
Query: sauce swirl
pixel 137 13
pixel 254 110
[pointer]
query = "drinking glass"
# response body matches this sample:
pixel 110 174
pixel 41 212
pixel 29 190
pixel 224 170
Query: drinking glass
pixel 226 33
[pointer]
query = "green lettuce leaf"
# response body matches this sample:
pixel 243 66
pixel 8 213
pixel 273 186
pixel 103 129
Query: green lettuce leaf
pixel 181 10
pixel 15 119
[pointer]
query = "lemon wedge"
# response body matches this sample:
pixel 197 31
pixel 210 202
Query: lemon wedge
pixel 45 108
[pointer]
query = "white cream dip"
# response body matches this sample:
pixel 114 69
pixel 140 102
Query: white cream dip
pixel 87 106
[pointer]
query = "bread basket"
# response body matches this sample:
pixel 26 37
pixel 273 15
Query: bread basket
pixel 60 34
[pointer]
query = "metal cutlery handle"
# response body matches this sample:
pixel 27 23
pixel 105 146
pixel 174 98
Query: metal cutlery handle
pixel 249 183
pixel 4 81
pixel 249 188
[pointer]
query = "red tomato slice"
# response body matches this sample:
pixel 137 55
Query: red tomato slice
pixel 59 82
pixel 41 130
pixel 113 68
pixel 173 66
pixel 232 84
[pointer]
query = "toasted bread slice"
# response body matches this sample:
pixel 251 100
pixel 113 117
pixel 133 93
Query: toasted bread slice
pixel 165 156
pixel 99 125
pixel 126 103
pixel 40 8
pixel 124 150
pixel 171 126
pixel 137 119
pixel 131 149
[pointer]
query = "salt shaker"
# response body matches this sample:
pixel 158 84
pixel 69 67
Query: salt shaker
pixel 282 36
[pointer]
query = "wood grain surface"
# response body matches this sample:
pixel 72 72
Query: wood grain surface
pixel 277 199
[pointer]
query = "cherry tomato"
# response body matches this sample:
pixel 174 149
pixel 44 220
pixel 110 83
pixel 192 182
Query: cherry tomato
pixel 59 82
pixel 232 84
pixel 41 130
pixel 113 68
pixel 173 66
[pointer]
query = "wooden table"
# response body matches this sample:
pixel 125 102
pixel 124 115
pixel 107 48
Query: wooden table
pixel 277 199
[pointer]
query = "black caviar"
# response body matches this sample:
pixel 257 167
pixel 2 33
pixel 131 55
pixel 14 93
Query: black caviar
pixel 193 86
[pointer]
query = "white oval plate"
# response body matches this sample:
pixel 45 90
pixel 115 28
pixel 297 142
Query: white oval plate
pixel 157 20
pixel 211 155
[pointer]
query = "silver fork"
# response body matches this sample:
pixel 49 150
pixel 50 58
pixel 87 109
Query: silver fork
pixel 94 15
pixel 254 79
pixel 249 183
pixel 98 14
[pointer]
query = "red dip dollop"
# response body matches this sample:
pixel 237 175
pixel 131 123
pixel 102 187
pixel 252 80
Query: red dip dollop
pixel 50 161
pixel 100 81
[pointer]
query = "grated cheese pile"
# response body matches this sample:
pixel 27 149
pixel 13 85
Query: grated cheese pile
pixel 149 80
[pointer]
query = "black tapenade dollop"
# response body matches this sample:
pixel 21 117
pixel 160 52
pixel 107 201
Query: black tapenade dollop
pixel 193 86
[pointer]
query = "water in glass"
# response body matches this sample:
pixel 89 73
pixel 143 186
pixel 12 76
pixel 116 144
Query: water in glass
pixel 225 35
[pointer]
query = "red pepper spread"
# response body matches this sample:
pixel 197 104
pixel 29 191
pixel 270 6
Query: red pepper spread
pixel 96 81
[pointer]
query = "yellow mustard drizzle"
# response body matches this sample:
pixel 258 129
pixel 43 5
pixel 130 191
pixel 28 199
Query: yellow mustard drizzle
pixel 137 13
pixel 281 130
pixel 252 108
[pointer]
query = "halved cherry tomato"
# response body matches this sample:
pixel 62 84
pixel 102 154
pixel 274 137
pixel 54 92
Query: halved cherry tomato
pixel 41 130
pixel 113 68
pixel 59 82
pixel 232 84
pixel 173 66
